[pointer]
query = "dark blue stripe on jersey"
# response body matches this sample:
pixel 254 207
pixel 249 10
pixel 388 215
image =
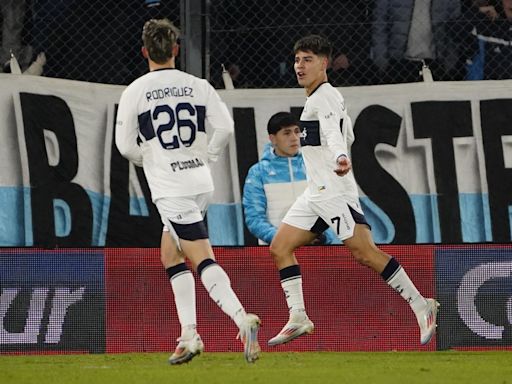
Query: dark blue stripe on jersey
pixel 146 125
pixel 201 114
pixel 310 132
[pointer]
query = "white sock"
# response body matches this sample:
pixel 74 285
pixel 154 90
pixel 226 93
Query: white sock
pixel 217 283
pixel 294 298
pixel 401 283
pixel 183 287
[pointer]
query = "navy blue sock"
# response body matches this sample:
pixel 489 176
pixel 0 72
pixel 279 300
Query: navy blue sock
pixel 203 264
pixel 291 272
pixel 173 271
pixel 390 269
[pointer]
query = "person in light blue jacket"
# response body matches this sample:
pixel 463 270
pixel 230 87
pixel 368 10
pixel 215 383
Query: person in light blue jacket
pixel 274 183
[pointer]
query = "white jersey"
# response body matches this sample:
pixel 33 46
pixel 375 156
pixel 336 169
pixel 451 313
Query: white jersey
pixel 161 126
pixel 327 134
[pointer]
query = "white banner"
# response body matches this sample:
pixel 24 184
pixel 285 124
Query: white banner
pixel 433 161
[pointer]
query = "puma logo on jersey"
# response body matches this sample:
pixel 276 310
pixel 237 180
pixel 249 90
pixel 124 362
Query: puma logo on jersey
pixel 188 164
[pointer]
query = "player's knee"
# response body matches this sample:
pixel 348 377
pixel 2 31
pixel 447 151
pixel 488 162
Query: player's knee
pixel 366 255
pixel 274 249
pixel 169 256
pixel 277 249
pixel 361 256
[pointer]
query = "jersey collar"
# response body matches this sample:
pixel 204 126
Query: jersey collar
pixel 318 86
pixel 163 69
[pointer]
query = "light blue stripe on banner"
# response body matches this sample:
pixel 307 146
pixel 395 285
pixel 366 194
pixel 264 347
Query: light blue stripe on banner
pixel 62 214
pixel 225 221
pixel 225 224
pixel 475 217
pixel 426 218
pixel 12 229
pixel 383 230
pixel 138 206
pixel 27 215
pixel 100 207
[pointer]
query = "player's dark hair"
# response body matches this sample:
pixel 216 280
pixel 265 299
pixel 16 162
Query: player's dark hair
pixel 317 44
pixel 159 37
pixel 279 121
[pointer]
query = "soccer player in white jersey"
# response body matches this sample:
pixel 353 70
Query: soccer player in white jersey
pixel 331 198
pixel 161 126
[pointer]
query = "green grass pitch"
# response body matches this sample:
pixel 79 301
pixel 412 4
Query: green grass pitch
pixel 302 367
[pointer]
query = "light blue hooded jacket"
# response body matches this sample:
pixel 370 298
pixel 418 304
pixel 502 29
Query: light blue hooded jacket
pixel 271 187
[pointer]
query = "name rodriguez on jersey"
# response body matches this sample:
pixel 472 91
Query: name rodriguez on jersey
pixel 162 93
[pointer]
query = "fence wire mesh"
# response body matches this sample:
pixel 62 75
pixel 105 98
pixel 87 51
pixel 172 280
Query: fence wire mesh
pixel 93 40
pixel 254 39
pixel 99 40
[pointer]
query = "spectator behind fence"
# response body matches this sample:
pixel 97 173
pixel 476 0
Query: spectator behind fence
pixel 487 37
pixel 405 32
pixel 35 69
pixel 351 63
pixel 274 183
pixel 12 20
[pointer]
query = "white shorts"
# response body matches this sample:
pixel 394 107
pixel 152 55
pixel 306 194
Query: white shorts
pixel 316 216
pixel 182 211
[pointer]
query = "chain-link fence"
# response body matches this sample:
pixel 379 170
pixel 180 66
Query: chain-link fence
pixel 374 41
pixel 89 40
pixel 254 39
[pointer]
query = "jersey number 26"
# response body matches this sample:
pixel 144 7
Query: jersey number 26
pixel 180 127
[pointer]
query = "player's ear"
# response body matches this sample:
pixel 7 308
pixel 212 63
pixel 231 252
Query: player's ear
pixel 175 50
pixel 144 52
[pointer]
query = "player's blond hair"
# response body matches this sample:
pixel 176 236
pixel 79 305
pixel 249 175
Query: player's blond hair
pixel 159 37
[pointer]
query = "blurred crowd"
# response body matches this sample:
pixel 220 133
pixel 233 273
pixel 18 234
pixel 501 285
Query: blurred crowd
pixel 374 41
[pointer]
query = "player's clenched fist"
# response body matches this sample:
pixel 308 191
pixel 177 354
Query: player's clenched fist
pixel 344 165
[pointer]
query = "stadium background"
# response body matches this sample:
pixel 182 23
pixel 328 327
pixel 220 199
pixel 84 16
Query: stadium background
pixel 99 40
pixel 118 299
